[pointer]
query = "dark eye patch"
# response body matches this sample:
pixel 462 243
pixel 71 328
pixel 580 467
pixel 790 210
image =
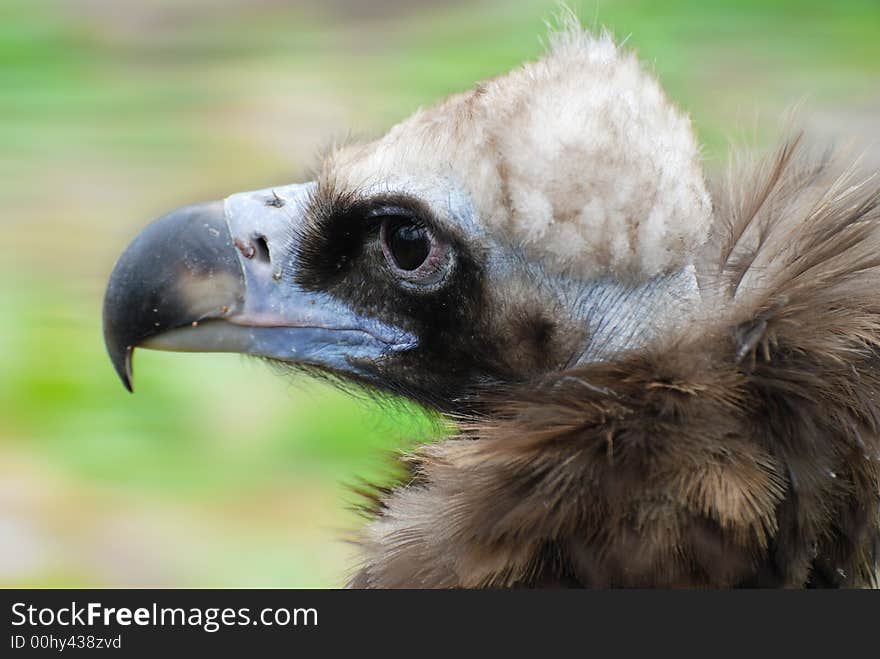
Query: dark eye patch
pixel 340 226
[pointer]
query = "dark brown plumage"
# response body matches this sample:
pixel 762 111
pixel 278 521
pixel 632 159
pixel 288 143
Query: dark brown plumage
pixel 743 452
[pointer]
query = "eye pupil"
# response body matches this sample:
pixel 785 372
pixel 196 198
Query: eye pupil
pixel 409 245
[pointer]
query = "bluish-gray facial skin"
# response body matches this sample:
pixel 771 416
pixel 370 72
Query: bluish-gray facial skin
pixel 220 277
pixel 297 274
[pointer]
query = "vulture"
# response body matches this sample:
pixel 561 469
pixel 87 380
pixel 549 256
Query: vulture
pixel 653 378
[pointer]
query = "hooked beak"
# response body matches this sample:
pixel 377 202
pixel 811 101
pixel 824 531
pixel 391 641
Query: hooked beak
pixel 220 277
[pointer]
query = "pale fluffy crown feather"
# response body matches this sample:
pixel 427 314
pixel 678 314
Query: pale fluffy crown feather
pixel 578 158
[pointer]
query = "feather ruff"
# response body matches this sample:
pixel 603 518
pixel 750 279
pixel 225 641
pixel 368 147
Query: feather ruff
pixel 741 450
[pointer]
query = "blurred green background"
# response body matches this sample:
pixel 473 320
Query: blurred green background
pixel 218 472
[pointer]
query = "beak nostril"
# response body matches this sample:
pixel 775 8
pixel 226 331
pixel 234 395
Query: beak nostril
pixel 262 249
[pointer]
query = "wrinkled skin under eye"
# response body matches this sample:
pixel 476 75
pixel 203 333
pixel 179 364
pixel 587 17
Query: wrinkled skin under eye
pixel 412 251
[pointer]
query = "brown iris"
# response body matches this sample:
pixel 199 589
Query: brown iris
pixel 411 249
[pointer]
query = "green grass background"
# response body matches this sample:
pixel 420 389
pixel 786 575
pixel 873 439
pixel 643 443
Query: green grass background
pixel 218 472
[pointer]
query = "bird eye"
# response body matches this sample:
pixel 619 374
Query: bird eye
pixel 411 249
pixel 408 245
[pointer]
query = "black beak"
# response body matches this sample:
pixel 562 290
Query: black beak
pixel 181 270
pixel 220 277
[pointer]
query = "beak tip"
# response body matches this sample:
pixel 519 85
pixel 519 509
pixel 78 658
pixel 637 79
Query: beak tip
pixel 122 365
pixel 179 269
pixel 125 372
pixel 144 293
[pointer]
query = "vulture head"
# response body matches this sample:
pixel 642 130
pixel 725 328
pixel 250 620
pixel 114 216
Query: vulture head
pixel 654 386
pixel 545 218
